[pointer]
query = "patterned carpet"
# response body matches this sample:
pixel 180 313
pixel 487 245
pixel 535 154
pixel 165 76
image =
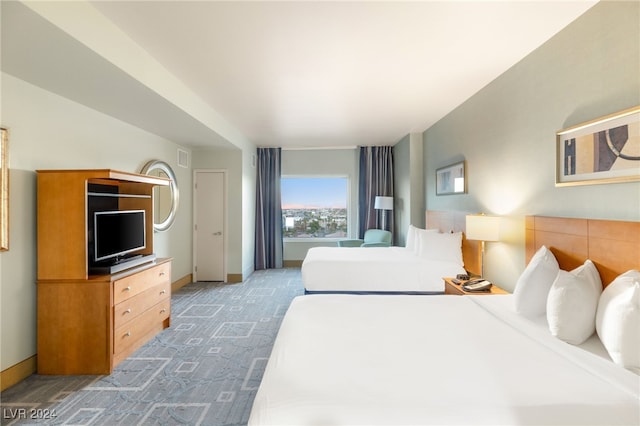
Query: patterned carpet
pixel 203 370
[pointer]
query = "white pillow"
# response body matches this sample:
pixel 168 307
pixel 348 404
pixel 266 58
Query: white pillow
pixel 572 303
pixel 413 238
pixel 445 247
pixel 618 320
pixel 532 288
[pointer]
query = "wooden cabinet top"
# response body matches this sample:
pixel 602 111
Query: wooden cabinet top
pixel 109 278
pixel 110 174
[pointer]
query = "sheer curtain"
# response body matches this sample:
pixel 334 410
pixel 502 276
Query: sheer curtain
pixel 268 243
pixel 375 178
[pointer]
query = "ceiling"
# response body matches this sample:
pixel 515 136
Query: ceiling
pixel 291 74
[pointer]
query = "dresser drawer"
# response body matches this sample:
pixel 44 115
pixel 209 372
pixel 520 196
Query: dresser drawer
pixel 137 283
pixel 132 307
pixel 135 333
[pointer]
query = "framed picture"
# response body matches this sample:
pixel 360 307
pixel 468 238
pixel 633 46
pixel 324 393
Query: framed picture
pixel 4 190
pixel 451 179
pixel 604 150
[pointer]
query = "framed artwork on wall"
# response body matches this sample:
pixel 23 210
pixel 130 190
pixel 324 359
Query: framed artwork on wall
pixel 4 190
pixel 604 150
pixel 451 179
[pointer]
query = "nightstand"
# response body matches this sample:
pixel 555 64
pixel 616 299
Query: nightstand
pixel 456 289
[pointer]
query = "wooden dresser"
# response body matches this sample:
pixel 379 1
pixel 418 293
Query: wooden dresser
pixel 90 326
pixel 89 323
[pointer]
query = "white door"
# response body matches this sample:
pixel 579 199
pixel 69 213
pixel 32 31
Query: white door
pixel 209 229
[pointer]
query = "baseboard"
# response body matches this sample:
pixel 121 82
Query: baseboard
pixel 18 372
pixel 177 285
pixel 292 263
pixel 234 278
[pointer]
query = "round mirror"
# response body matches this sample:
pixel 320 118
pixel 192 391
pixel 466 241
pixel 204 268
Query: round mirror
pixel 165 198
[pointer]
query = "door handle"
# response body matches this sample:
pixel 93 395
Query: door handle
pixel 217 233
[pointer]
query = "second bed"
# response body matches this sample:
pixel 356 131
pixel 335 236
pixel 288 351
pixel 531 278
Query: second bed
pixel 417 268
pixel 375 270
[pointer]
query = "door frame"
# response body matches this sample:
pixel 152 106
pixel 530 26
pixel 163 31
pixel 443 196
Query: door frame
pixel 224 221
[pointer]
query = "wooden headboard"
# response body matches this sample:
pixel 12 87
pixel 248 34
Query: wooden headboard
pixel 613 246
pixel 456 221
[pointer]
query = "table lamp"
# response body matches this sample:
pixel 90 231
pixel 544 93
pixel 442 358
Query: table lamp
pixel 481 227
pixel 384 204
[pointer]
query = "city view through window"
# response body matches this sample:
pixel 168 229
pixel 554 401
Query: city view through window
pixel 314 207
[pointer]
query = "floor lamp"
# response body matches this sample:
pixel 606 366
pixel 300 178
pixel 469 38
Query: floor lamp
pixel 384 204
pixel 482 228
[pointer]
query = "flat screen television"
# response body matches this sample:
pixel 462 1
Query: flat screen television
pixel 117 233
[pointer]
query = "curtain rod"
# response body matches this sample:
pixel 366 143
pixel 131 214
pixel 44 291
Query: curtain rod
pixel 317 148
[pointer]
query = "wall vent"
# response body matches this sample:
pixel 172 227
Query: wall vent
pixel 183 158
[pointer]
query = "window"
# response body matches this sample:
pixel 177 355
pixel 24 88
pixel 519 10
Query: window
pixel 314 207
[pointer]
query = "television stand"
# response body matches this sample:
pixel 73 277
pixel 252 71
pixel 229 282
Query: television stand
pixel 122 265
pixel 90 322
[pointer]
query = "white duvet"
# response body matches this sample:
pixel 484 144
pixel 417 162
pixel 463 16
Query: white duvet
pixel 374 269
pixel 440 360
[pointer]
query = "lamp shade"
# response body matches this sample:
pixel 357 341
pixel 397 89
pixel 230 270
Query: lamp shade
pixel 383 203
pixel 483 228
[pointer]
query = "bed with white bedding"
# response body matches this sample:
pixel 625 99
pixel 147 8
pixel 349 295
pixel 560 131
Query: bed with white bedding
pixel 417 268
pixel 459 360
pixel 445 360
pixel 374 270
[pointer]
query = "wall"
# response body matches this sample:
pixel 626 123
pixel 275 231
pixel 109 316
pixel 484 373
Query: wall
pixel 506 132
pixel 51 132
pixel 401 190
pixel 416 162
pixel 248 209
pixel 408 192
pixel 322 162
pixel 231 161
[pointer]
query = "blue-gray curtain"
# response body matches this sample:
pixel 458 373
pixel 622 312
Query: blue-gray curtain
pixel 375 178
pixel 268 243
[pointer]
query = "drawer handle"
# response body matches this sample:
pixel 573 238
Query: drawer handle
pixel 128 311
pixel 127 334
pixel 163 311
pixel 163 292
pixel 127 288
pixel 161 274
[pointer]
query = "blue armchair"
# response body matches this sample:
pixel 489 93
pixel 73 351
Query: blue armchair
pixel 372 238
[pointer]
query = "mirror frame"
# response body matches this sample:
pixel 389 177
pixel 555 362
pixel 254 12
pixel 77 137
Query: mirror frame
pixel 173 186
